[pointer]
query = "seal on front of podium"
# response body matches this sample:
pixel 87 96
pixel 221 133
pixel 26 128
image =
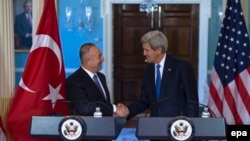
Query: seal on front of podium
pixel 72 128
pixel 181 128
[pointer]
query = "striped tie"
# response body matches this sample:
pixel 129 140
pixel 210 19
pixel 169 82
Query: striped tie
pixel 98 85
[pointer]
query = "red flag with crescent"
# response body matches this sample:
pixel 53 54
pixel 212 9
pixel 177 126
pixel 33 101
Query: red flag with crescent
pixel 41 90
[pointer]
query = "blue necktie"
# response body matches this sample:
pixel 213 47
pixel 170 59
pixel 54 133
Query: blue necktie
pixel 158 81
pixel 98 85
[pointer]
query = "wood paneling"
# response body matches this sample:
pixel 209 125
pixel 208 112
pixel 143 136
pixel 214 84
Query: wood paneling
pixel 178 22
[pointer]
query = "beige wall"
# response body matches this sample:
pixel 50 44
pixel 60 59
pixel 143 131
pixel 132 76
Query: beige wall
pixel 245 8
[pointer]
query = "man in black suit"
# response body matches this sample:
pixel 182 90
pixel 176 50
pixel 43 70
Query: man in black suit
pixel 82 90
pixel 177 85
pixel 23 25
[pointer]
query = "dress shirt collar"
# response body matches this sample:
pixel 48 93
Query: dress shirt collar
pixel 162 62
pixel 91 74
pixel 28 15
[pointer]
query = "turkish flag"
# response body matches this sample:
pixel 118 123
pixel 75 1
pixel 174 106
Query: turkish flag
pixel 41 90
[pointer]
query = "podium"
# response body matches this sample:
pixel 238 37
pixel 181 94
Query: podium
pixel 156 128
pixel 105 128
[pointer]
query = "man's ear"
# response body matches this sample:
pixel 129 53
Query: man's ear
pixel 159 50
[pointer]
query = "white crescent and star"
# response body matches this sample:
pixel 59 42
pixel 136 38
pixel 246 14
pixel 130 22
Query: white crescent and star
pixel 45 41
pixel 53 95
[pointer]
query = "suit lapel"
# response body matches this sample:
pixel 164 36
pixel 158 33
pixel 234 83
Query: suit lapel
pixel 151 80
pixel 89 81
pixel 166 72
pixel 86 77
pixel 103 81
pixel 27 23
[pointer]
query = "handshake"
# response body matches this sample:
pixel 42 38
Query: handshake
pixel 121 110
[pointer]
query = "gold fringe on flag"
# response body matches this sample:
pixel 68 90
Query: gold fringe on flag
pixel 4 106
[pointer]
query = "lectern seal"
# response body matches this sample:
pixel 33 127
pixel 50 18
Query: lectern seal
pixel 181 128
pixel 72 128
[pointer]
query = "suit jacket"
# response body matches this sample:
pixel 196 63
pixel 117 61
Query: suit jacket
pixel 22 27
pixel 84 95
pixel 177 94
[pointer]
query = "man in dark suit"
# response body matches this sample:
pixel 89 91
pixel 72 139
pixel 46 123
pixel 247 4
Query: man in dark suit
pixel 23 25
pixel 81 86
pixel 177 89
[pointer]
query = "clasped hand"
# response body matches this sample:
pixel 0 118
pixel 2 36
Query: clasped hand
pixel 121 110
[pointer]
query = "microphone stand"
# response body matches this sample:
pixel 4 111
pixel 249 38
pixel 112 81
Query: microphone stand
pixel 95 104
pixel 203 105
pixel 55 113
pixel 105 105
pixel 156 104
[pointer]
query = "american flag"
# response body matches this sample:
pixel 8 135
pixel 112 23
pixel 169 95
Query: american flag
pixel 230 79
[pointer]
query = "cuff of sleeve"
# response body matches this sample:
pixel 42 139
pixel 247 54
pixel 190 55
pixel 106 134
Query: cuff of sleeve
pixel 114 108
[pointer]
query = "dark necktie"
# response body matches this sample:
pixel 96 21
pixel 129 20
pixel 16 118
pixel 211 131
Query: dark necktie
pixel 98 85
pixel 158 81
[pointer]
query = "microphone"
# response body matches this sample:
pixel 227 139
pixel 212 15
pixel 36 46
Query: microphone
pixel 156 104
pixel 106 109
pixel 203 105
pixel 54 113
pixel 146 61
pixel 104 105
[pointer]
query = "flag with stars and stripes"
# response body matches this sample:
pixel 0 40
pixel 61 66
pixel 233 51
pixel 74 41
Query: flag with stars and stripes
pixel 230 79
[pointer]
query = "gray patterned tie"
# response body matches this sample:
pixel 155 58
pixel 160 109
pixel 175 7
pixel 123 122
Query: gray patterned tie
pixel 98 84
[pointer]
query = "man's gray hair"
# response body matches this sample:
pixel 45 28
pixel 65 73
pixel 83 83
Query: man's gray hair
pixel 156 39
